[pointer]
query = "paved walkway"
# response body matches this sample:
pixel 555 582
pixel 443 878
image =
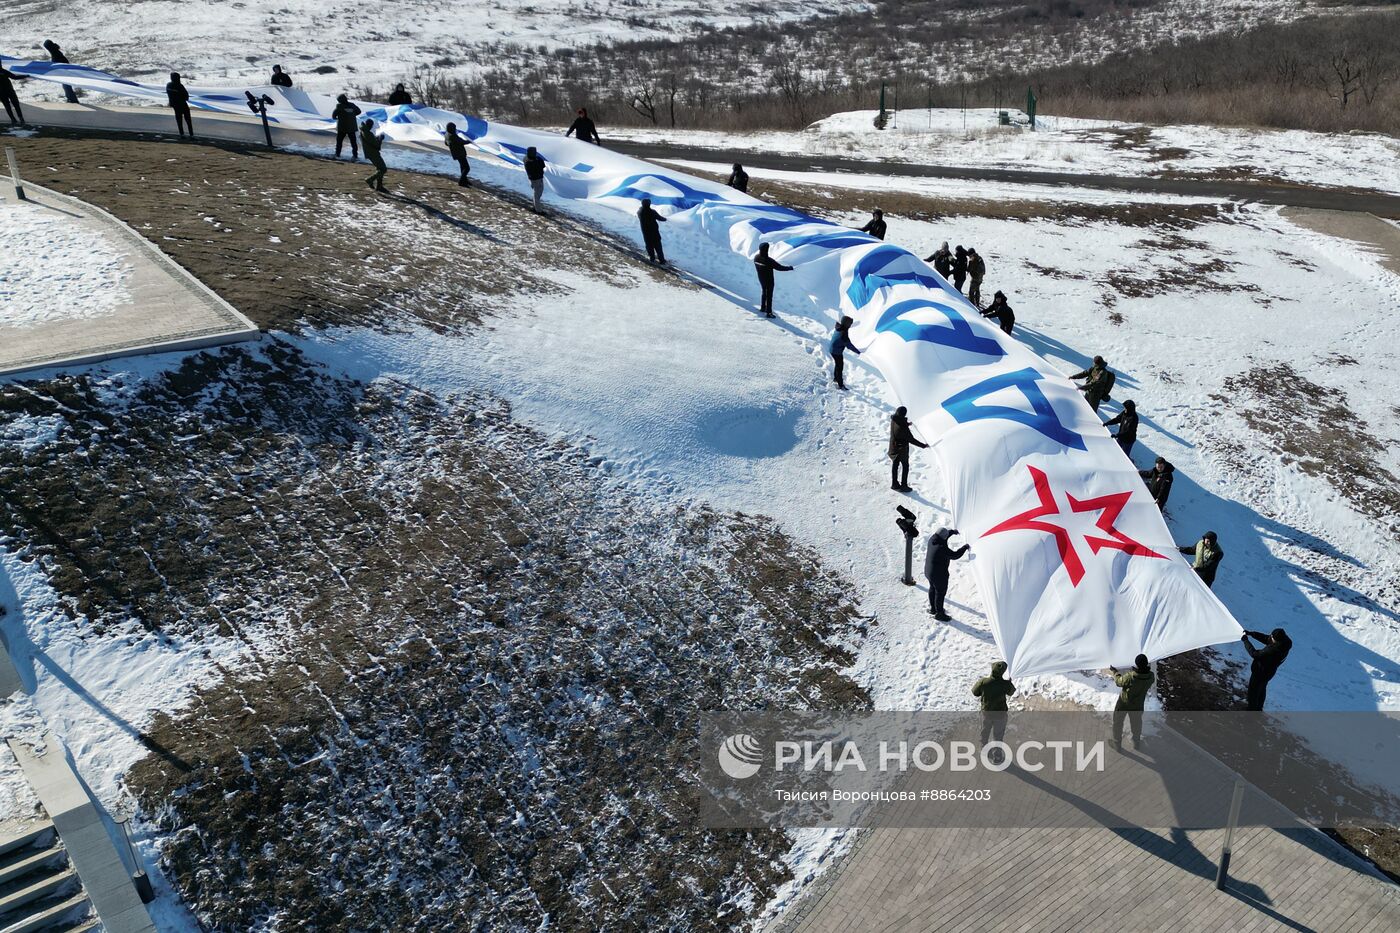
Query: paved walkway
pixel 1071 880
pixel 90 846
pixel 1382 205
pixel 1370 231
pixel 164 308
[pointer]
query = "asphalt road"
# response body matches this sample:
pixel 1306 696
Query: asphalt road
pixel 1333 199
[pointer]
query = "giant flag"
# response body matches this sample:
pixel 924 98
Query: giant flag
pixel 1073 559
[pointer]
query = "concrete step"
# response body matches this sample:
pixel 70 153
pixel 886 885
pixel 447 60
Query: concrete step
pixel 13 901
pixel 33 835
pixel 80 925
pixel 71 915
pixel 28 860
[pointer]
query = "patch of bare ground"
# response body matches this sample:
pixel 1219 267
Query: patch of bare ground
pixel 1133 138
pixel 1312 426
pixel 473 661
pixel 293 239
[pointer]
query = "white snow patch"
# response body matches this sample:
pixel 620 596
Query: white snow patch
pixel 53 268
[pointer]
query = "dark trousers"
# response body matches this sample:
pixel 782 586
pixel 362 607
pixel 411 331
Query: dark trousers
pixel 937 591
pixel 654 251
pixel 958 279
pixel 765 301
pixel 380 169
pixel 12 107
pixel 462 180
pixel 1126 444
pixel 183 121
pixel 69 94
pixel 1093 400
pixel 341 135
pixel 1134 717
pixel 840 360
pixel 974 292
pixel 897 465
pixel 1258 687
pixel 994 725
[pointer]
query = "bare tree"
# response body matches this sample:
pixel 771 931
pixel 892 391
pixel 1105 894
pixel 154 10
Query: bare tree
pixel 671 87
pixel 1378 71
pixel 787 77
pixel 643 102
pixel 430 86
pixel 1340 75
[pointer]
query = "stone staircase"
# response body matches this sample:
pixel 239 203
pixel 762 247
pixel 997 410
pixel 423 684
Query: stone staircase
pixel 39 890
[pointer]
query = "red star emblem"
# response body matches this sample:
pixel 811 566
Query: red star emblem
pixel 1108 507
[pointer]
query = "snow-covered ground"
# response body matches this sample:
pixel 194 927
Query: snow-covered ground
pixel 1064 144
pixel 368 43
pixel 688 396
pixel 53 268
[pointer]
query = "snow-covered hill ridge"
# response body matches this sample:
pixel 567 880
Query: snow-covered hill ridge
pixel 372 43
pixel 366 42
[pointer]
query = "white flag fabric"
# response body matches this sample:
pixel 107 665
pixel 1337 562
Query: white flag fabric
pixel 1074 561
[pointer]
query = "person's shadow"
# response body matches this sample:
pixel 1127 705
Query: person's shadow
pixel 23 655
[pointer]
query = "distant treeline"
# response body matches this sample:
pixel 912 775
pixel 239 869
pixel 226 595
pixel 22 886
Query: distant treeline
pixel 1335 72
pixel 1331 74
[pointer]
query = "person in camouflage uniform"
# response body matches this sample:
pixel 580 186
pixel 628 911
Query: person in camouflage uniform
pixel 1098 382
pixel 1133 687
pixel 992 693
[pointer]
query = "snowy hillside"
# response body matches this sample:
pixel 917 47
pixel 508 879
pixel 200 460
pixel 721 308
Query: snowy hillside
pixel 372 43
pixel 496 508
pixel 368 43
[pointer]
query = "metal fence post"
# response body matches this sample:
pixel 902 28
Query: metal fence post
pixel 1235 800
pixel 14 172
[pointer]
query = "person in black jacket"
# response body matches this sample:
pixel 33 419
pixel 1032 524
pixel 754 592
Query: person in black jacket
pixel 840 343
pixel 1127 421
pixel 346 127
pixel 939 555
pixel 178 97
pixel 458 150
pixel 280 78
pixel 876 226
pixel 765 266
pixel 372 143
pixel 9 98
pixel 534 171
pixel 651 223
pixel 1159 481
pixel 959 267
pixel 1267 661
pixel 56 55
pixel 399 96
pixel 1001 312
pixel 738 179
pixel 942 259
pixel 901 436
pixel 584 127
